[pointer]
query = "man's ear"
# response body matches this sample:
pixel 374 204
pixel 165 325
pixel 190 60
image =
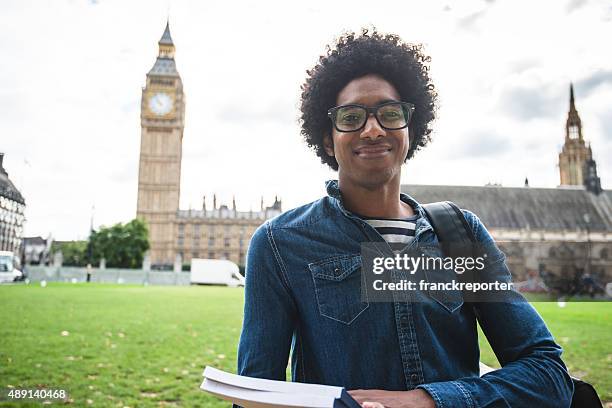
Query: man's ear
pixel 328 144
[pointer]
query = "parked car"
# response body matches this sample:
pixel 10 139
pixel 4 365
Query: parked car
pixel 8 271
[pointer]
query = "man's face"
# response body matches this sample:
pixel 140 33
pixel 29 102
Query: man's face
pixel 371 156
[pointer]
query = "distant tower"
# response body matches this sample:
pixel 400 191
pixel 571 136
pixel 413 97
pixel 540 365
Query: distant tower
pixel 575 154
pixel 162 120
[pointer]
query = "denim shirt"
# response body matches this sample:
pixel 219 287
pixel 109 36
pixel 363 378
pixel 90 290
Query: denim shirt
pixel 302 298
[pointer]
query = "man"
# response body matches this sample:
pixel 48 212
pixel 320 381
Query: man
pixel 366 109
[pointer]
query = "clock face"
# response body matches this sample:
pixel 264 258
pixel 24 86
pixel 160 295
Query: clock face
pixel 573 132
pixel 160 103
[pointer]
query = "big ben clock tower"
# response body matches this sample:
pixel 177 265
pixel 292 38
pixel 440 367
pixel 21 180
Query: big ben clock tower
pixel 162 119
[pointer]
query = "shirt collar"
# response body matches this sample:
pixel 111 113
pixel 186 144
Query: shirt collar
pixel 422 223
pixel 333 190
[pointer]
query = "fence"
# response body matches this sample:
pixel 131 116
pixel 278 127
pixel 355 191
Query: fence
pixel 108 275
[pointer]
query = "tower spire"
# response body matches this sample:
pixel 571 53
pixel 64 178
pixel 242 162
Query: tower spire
pixel 575 155
pixel 166 45
pixel 166 38
pixel 573 126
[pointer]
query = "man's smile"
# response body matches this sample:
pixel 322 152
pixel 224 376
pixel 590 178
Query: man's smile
pixel 373 151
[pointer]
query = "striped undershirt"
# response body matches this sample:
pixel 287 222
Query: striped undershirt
pixel 397 232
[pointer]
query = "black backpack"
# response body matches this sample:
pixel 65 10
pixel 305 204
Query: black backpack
pixel 451 226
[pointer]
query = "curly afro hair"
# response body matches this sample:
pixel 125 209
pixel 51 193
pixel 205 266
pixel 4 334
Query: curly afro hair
pixel 405 66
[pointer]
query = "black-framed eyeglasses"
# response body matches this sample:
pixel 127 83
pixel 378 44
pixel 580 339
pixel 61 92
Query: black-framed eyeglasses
pixel 389 115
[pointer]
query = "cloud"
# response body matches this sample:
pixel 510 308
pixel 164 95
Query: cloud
pixel 281 112
pixel 606 124
pixel 586 85
pixel 482 143
pixel 574 5
pixel 530 103
pixel 468 22
pixel 522 65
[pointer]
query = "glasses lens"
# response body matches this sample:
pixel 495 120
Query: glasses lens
pixel 349 118
pixel 393 115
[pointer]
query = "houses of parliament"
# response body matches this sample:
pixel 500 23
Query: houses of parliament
pixel 573 221
pixel 176 236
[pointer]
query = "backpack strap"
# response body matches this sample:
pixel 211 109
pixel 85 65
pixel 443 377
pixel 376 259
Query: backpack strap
pixel 456 239
pixel 454 234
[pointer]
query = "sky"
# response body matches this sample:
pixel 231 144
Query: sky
pixel 72 74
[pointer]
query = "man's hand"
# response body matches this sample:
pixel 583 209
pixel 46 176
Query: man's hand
pixel 393 399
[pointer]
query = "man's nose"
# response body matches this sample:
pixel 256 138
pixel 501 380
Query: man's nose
pixel 372 129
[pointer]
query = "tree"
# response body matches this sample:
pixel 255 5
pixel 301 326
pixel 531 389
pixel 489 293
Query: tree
pixel 74 253
pixel 122 245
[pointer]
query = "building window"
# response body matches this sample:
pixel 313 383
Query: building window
pixel 226 255
pixel 211 255
pixel 211 242
pixel 604 253
pixel 226 242
pixel 195 254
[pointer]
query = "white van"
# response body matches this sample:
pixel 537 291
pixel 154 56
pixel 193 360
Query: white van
pixel 215 272
pixel 8 271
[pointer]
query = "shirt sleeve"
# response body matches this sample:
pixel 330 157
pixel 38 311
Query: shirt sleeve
pixel 269 311
pixel 532 373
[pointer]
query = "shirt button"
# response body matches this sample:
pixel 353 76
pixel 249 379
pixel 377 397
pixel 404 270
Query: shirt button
pixel 414 378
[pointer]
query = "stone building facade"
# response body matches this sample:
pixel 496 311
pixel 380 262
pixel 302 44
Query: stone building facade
pixel 175 235
pixel 12 213
pixel 565 231
pixel 219 233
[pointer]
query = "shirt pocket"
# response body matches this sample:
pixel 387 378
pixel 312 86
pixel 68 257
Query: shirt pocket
pixel 337 282
pixel 451 300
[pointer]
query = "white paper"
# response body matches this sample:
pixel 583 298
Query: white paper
pixel 248 398
pixel 252 392
pixel 271 385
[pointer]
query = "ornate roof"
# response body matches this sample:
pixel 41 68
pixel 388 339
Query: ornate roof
pixel 7 188
pixel 166 37
pixel 164 66
pixel 551 209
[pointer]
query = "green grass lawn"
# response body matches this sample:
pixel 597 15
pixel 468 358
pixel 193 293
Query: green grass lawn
pixel 147 346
